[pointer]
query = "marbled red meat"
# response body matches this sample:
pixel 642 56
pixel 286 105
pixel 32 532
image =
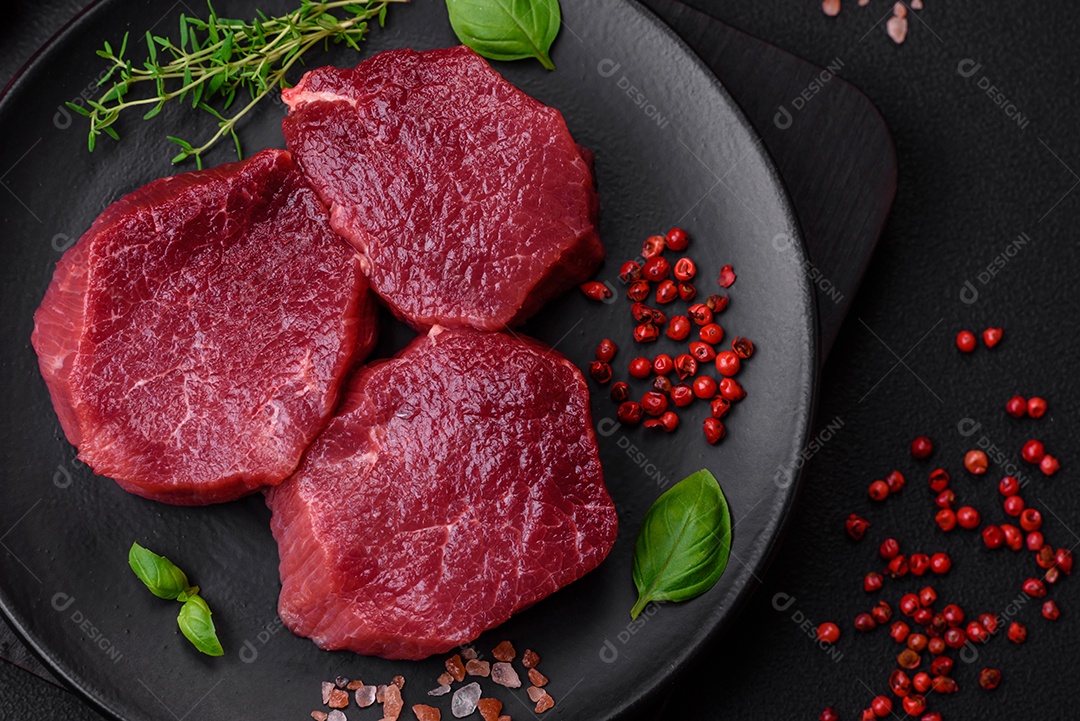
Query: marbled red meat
pixel 458 484
pixel 196 338
pixel 468 200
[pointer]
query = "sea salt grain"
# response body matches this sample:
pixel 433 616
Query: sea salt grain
pixel 831 7
pixel 365 696
pixel 327 687
pixel 468 653
pixel 505 675
pixel 464 700
pixel 455 667
pixel 337 716
pixel 439 690
pixel 489 708
pixel 338 698
pixel 544 703
pixel 897 29
pixel 537 678
pixel 478 668
pixel 393 703
pixel 530 658
pixel 426 713
pixel 504 652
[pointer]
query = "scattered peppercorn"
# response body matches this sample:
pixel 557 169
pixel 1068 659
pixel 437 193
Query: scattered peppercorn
pixel 727 277
pixel 677 239
pixel 714 430
pixel 989 678
pixel 595 290
pixel 976 462
pixel 1016 407
pixel 922 447
pixel 856 526
pixel 828 633
pixel 685 269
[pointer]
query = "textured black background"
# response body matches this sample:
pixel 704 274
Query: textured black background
pixel 971 181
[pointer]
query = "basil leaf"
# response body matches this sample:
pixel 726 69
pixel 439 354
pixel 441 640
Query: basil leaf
pixel 198 627
pixel 159 574
pixel 684 542
pixel 507 29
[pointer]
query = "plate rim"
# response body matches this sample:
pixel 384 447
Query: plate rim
pixel 650 692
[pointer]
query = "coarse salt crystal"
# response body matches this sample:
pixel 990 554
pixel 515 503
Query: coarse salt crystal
pixel 455 667
pixel 916 4
pixel 336 715
pixel 530 658
pixel 831 7
pixel 544 703
pixel 338 698
pixel 468 653
pixel 426 713
pixel 899 9
pixel 505 675
pixel 327 687
pixel 319 715
pixel 489 708
pixel 393 704
pixel 504 652
pixel 537 678
pixel 445 679
pixel 365 696
pixel 897 29
pixel 464 700
pixel 535 694
pixel 439 690
pixel 478 668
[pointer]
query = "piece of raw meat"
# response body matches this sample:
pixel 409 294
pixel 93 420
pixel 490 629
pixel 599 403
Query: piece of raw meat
pixel 468 200
pixel 458 484
pixel 196 338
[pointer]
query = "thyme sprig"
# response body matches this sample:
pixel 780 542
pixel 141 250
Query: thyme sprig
pixel 218 59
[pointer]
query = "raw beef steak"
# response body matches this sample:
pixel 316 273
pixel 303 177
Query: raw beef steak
pixel 196 338
pixel 468 200
pixel 458 484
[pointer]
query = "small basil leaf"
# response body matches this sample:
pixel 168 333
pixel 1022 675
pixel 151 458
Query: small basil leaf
pixel 507 29
pixel 159 574
pixel 198 627
pixel 684 542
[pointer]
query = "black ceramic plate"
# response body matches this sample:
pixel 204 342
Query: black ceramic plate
pixel 672 149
